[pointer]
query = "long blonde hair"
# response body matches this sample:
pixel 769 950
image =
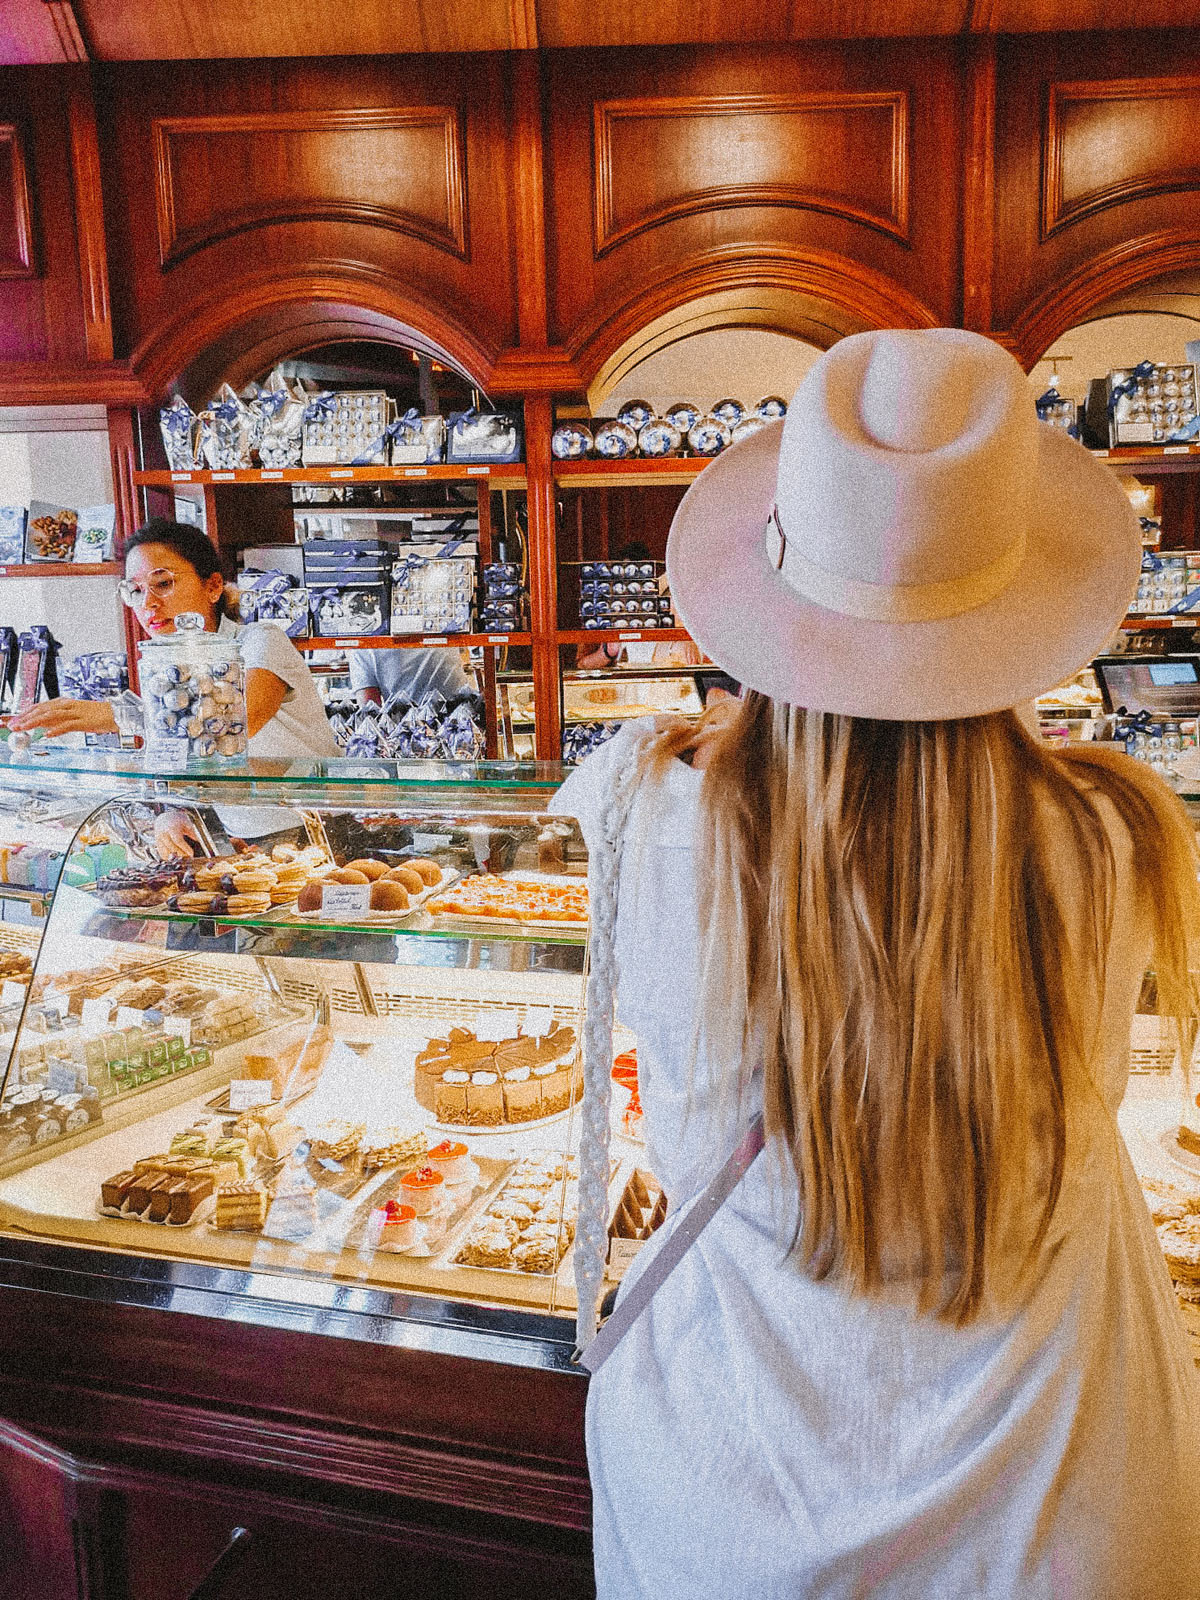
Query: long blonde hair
pixel 886 927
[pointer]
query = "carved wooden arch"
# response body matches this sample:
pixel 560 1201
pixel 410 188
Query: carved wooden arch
pixel 812 295
pixel 238 335
pixel 1087 292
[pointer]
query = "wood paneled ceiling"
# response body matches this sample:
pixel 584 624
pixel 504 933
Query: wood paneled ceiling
pixel 45 31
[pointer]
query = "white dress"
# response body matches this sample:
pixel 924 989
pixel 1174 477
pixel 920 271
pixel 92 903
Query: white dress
pixel 763 1436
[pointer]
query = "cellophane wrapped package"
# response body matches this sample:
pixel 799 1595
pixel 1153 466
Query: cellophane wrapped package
pixel 177 423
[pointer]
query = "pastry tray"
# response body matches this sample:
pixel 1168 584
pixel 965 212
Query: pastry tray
pixel 382 918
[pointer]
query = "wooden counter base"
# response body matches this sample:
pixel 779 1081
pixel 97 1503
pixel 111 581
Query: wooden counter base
pixel 137 1433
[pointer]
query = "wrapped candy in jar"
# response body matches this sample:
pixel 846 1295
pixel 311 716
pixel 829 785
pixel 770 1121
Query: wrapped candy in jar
pixel 193 694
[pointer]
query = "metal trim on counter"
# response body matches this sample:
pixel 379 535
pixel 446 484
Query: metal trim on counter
pixel 294 1304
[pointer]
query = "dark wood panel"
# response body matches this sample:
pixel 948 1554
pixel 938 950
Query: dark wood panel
pixel 662 157
pixel 1108 142
pixel 392 167
pixel 689 212
pixel 16 210
pixel 41 308
pixel 1097 183
pixel 38 1512
pixel 294 192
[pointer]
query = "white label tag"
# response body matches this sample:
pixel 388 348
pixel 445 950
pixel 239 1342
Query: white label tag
pixel 495 1025
pixel 96 1014
pixel 267 476
pixel 437 639
pixel 621 1255
pixel 343 472
pixel 349 644
pixel 181 1027
pixel 416 472
pixel 12 993
pixel 246 1093
pixel 171 756
pixel 478 472
pixel 1177 450
pixel 423 843
pixel 538 1021
pixel 223 477
pixel 345 899
pixel 498 638
pixel 130 1017
pixel 629 636
pixel 181 477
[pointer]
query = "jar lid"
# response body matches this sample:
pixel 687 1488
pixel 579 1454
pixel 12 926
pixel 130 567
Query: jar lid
pixel 191 634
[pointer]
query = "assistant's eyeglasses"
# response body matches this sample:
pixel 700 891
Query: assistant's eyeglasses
pixel 159 585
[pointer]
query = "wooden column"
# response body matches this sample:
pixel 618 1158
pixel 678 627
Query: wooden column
pixel 130 507
pixel 543 580
pixel 89 222
pixel 978 184
pixel 483 495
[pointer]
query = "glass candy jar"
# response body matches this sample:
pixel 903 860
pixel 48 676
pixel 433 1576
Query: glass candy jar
pixel 193 694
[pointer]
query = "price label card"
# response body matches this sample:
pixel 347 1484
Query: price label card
pixel 629 636
pixel 538 1021
pixel 495 1025
pixel 130 1017
pixel 345 899
pixel 437 639
pixel 267 476
pixel 478 472
pixel 497 638
pixel 223 477
pixel 246 1093
pixel 346 472
pixel 424 843
pixel 621 1255
pixel 171 756
pixel 181 477
pixel 95 1015
pixel 181 1027
pixel 416 472
pixel 12 993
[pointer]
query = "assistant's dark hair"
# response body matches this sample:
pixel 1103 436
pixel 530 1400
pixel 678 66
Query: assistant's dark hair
pixel 196 548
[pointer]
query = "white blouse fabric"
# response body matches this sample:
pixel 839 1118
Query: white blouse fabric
pixel 760 1435
pixel 300 726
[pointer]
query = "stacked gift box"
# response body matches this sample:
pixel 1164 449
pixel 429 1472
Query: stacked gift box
pixel 349 583
pixel 623 594
pixel 1167 584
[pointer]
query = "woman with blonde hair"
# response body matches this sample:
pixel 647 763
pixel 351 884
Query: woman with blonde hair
pixel 927 1345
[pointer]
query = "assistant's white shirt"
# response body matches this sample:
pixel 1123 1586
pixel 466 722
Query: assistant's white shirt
pixel 759 1436
pixel 300 726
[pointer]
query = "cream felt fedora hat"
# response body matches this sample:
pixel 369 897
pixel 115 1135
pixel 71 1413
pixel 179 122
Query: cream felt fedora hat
pixel 909 543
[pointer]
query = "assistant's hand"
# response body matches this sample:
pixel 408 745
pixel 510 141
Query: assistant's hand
pixel 172 832
pixel 66 716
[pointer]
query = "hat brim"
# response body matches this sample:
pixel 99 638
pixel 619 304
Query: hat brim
pixel 1080 572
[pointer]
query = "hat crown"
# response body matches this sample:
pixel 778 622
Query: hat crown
pixel 906 458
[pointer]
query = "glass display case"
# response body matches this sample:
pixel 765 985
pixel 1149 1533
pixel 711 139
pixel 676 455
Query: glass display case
pixel 342 1042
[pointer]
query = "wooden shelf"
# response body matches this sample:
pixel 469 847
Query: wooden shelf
pixel 1147 458
pixel 1135 624
pixel 411 641
pixel 623 636
pixel 633 473
pixel 64 569
pixel 509 475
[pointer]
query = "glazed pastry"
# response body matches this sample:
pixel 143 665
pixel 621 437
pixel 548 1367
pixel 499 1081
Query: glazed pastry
pixel 400 1229
pixel 453 1161
pixel 369 868
pixel 423 1189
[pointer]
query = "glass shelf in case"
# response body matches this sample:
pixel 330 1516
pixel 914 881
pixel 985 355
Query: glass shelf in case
pixel 385 1098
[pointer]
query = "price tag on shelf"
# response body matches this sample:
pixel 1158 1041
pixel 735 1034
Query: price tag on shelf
pixel 538 1021
pixel 1100 452
pixel 478 472
pixel 341 472
pixel 498 638
pixel 224 477
pixel 1177 450
pixel 3 572
pixel 268 477
pixel 180 1027
pixel 629 636
pixel 130 1017
pixel 95 1015
pixel 347 644
pixel 416 472
pixel 622 1253
pixel 246 1093
pixel 171 756
pixel 495 1025
pixel 439 638
pixel 425 843
pixel 345 899
pixel 181 477
pixel 12 994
